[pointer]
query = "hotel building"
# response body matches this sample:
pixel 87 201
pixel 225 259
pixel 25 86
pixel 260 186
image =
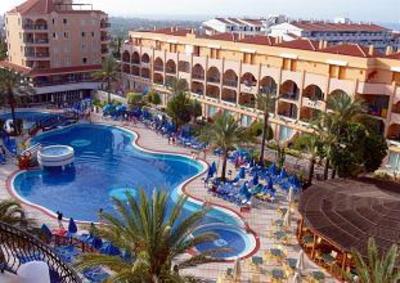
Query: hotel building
pixel 337 32
pixel 57 44
pixel 226 71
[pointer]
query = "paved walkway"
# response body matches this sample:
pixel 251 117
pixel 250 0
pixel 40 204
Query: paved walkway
pixel 259 219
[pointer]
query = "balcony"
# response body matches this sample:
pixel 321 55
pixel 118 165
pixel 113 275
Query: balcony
pixel 198 76
pixel 215 80
pixel 230 83
pixel 105 38
pixel 37 55
pixel 104 50
pixel 314 104
pixel 36 41
pixel 158 68
pixel 105 25
pixel 35 27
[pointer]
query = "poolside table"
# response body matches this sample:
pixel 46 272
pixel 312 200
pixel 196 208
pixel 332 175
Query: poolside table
pixel 277 275
pixel 280 235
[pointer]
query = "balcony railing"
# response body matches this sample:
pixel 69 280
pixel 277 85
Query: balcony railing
pixel 230 83
pixel 105 38
pixel 158 68
pixel 104 50
pixel 213 79
pixel 37 55
pixel 17 244
pixel 37 41
pixel 198 76
pixel 35 27
pixel 170 70
pixel 290 95
pixel 105 25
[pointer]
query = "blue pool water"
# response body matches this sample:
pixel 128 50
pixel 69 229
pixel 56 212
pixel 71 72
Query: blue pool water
pixel 107 163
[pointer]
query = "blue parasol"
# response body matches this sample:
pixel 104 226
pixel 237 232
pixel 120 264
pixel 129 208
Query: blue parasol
pixel 242 173
pixel 72 228
pixel 95 242
pixel 283 174
pixel 244 189
pixel 110 249
pixel 270 184
pixel 255 179
pixel 272 169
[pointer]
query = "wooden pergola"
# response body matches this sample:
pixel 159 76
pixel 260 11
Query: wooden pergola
pixel 342 214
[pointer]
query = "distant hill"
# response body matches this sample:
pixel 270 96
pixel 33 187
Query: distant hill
pixel 121 26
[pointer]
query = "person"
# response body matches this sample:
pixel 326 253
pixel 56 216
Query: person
pixel 100 214
pixel 59 219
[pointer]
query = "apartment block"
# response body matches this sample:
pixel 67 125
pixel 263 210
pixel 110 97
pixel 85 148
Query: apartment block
pixel 58 44
pixel 226 71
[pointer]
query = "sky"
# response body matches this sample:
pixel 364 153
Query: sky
pixel 358 10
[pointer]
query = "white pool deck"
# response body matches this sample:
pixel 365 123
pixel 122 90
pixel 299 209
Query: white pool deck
pixel 259 218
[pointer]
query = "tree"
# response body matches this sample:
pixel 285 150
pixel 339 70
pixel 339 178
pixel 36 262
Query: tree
pixel 3 50
pixel 13 86
pixel 266 102
pixel 177 86
pixel 153 98
pixel 109 73
pixel 154 234
pixel 134 99
pixel 12 213
pixel 181 108
pixel 309 144
pixel 333 129
pixel 116 45
pixel 225 133
pixel 376 267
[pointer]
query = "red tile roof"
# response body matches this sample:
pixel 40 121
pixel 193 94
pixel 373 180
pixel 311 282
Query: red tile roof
pixel 350 50
pixel 324 26
pixel 175 31
pixel 223 20
pixel 259 40
pixel 394 56
pixel 303 44
pixel 224 36
pixel 65 70
pixel 44 7
pixel 10 66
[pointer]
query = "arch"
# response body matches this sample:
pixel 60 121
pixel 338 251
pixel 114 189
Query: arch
pixel 394 132
pixel 247 99
pixel 145 58
pixel 198 72
pixel 158 79
pixel 158 64
pixel 170 67
pixel 145 73
pixel 213 75
pixel 308 114
pixel 338 92
pixel 229 95
pixel 126 57
pixel 248 79
pixel 135 58
pixel 29 23
pixel 126 69
pixel 313 92
pixel 230 78
pixel 184 66
pixel 288 110
pixel 197 88
pixel 40 24
pixel 289 90
pixel 268 85
pixel 213 91
pixel 136 71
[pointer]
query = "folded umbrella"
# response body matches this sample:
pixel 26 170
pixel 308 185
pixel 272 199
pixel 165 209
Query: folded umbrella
pixel 242 173
pixel 110 249
pixel 72 228
pixel 46 232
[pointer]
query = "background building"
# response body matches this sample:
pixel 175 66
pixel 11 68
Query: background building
pixel 340 31
pixel 58 44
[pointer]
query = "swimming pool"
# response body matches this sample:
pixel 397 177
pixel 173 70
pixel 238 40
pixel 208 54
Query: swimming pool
pixel 29 117
pixel 106 162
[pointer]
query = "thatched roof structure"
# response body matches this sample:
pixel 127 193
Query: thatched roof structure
pixel 348 212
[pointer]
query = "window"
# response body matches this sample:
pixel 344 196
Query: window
pixel 83 34
pixel 66 35
pixel 54 35
pixel 65 21
pixel 92 34
pixel 84 60
pixel 54 21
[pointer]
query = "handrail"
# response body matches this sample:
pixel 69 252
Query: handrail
pixel 16 244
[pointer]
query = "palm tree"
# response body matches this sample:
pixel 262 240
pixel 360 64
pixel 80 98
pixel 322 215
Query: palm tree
pixel 154 234
pixel 109 73
pixel 376 268
pixel 225 133
pixel 309 144
pixel 177 86
pixel 181 108
pixel 13 86
pixel 331 125
pixel 12 213
pixel 266 102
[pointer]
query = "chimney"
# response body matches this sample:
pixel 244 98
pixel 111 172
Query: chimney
pixel 324 44
pixel 321 44
pixel 172 29
pixel 192 31
pixel 389 50
pixel 371 50
pixel 154 28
